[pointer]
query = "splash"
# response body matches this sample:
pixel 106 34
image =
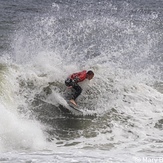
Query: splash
pixel 16 131
pixel 120 51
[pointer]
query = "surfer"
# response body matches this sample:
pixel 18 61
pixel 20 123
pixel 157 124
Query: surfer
pixel 73 80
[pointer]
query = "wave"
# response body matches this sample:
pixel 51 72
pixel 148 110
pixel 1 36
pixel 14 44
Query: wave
pixel 16 132
pixel 124 108
pixel 122 94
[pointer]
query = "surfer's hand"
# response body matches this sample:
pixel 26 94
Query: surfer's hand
pixel 73 82
pixel 69 87
pixel 76 79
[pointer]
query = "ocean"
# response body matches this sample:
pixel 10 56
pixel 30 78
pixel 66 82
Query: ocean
pixel 44 41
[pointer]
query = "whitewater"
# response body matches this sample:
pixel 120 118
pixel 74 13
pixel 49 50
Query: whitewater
pixel 43 42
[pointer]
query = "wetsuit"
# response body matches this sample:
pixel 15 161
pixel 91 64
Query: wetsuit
pixel 73 80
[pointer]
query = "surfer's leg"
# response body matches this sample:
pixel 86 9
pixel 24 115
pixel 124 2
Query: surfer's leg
pixel 73 102
pixel 68 82
pixel 77 92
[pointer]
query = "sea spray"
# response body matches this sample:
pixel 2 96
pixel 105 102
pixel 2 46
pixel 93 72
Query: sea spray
pixel 16 131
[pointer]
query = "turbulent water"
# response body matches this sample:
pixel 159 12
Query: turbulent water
pixel 42 42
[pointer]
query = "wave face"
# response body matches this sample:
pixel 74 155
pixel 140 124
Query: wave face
pixel 120 41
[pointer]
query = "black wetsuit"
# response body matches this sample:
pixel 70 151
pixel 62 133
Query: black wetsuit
pixel 69 82
pixel 73 80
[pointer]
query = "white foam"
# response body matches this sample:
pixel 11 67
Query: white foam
pixel 17 133
pixel 47 53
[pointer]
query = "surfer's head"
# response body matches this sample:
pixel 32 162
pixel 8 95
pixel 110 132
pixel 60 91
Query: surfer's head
pixel 90 75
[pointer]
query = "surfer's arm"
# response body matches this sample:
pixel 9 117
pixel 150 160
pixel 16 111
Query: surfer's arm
pixel 76 79
pixel 80 76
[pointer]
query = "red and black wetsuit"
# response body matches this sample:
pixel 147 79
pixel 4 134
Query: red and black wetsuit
pixel 73 79
pixel 79 76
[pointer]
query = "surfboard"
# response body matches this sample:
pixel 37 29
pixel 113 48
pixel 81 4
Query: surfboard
pixel 63 105
pixel 74 108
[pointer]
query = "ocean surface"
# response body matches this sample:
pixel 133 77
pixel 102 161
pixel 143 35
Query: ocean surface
pixel 44 41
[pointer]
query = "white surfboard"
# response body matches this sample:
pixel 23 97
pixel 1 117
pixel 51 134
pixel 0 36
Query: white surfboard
pixel 56 99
